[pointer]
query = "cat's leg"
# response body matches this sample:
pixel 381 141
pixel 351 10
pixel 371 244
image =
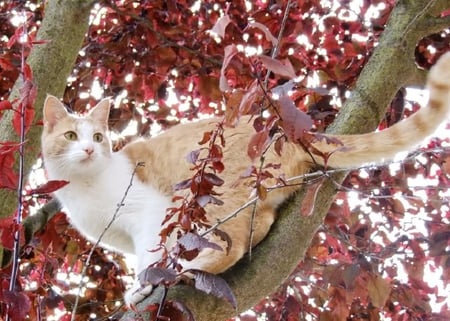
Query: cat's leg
pixel 210 260
pixel 145 258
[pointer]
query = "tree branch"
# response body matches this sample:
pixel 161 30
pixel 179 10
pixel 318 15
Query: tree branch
pixel 251 281
pixel 63 27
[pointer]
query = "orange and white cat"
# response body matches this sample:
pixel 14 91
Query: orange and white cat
pixel 78 149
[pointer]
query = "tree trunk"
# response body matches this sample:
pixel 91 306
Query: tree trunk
pixel 64 26
pixel 391 66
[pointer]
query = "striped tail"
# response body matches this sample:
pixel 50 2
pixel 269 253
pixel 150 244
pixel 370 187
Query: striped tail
pixel 382 146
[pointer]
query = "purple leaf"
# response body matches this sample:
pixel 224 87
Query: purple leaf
pixel 214 285
pixel 294 122
pixel 157 276
pixel 206 199
pixel 213 179
pixel 192 241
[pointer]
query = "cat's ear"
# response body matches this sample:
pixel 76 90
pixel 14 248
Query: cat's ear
pixel 53 111
pixel 100 112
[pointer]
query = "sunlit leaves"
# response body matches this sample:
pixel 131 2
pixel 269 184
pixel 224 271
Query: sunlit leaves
pixel 143 53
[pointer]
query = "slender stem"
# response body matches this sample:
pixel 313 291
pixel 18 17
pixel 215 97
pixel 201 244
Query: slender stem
pixel 161 303
pixel 308 177
pixel 91 252
pixel 21 110
pixel 280 36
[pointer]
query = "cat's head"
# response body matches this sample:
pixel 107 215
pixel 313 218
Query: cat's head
pixel 73 144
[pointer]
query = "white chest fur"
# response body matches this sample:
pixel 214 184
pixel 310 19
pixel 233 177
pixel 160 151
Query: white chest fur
pixel 112 195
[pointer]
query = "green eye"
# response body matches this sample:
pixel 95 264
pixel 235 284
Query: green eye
pixel 98 138
pixel 70 135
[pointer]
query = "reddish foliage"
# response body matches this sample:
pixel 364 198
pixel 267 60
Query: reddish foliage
pixel 157 48
pixel 8 175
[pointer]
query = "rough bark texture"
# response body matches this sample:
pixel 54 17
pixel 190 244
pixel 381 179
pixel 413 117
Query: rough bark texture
pixel 64 27
pixel 390 67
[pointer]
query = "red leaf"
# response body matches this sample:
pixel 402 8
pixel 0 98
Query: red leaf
pixel 215 285
pixel 8 228
pixel 7 232
pixel 282 68
pixel 218 166
pixel 206 138
pixel 25 110
pixel 27 72
pixel 216 152
pixel 48 187
pixel 266 31
pixel 252 94
pixel 221 25
pixel 8 177
pixel 6 64
pixel 230 52
pixel 5 105
pixel 19 304
pixel 28 117
pixel 294 122
pixel 258 143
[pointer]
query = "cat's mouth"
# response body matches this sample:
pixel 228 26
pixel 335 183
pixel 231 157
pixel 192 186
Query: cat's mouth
pixel 88 159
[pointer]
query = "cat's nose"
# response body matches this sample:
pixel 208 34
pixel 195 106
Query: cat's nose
pixel 89 150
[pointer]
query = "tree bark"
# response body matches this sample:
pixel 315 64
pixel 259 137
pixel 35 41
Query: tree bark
pixel 391 66
pixel 64 26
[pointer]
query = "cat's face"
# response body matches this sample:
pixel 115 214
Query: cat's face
pixel 75 145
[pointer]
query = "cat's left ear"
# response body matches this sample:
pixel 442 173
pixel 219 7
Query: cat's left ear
pixel 100 112
pixel 53 111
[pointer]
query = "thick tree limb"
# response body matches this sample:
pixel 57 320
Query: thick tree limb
pixel 391 66
pixel 64 26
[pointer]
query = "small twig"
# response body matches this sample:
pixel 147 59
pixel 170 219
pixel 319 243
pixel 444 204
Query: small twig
pixel 280 35
pixel 161 303
pixel 307 178
pixel 91 252
pixel 22 106
pixel 252 219
pixel 264 88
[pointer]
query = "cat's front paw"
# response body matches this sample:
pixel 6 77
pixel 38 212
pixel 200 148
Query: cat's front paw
pixel 137 293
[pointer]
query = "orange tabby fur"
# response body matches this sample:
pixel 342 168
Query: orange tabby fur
pixel 165 165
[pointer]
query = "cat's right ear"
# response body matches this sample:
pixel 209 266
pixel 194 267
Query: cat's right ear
pixel 53 111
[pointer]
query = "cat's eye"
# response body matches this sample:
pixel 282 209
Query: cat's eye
pixel 98 138
pixel 70 135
